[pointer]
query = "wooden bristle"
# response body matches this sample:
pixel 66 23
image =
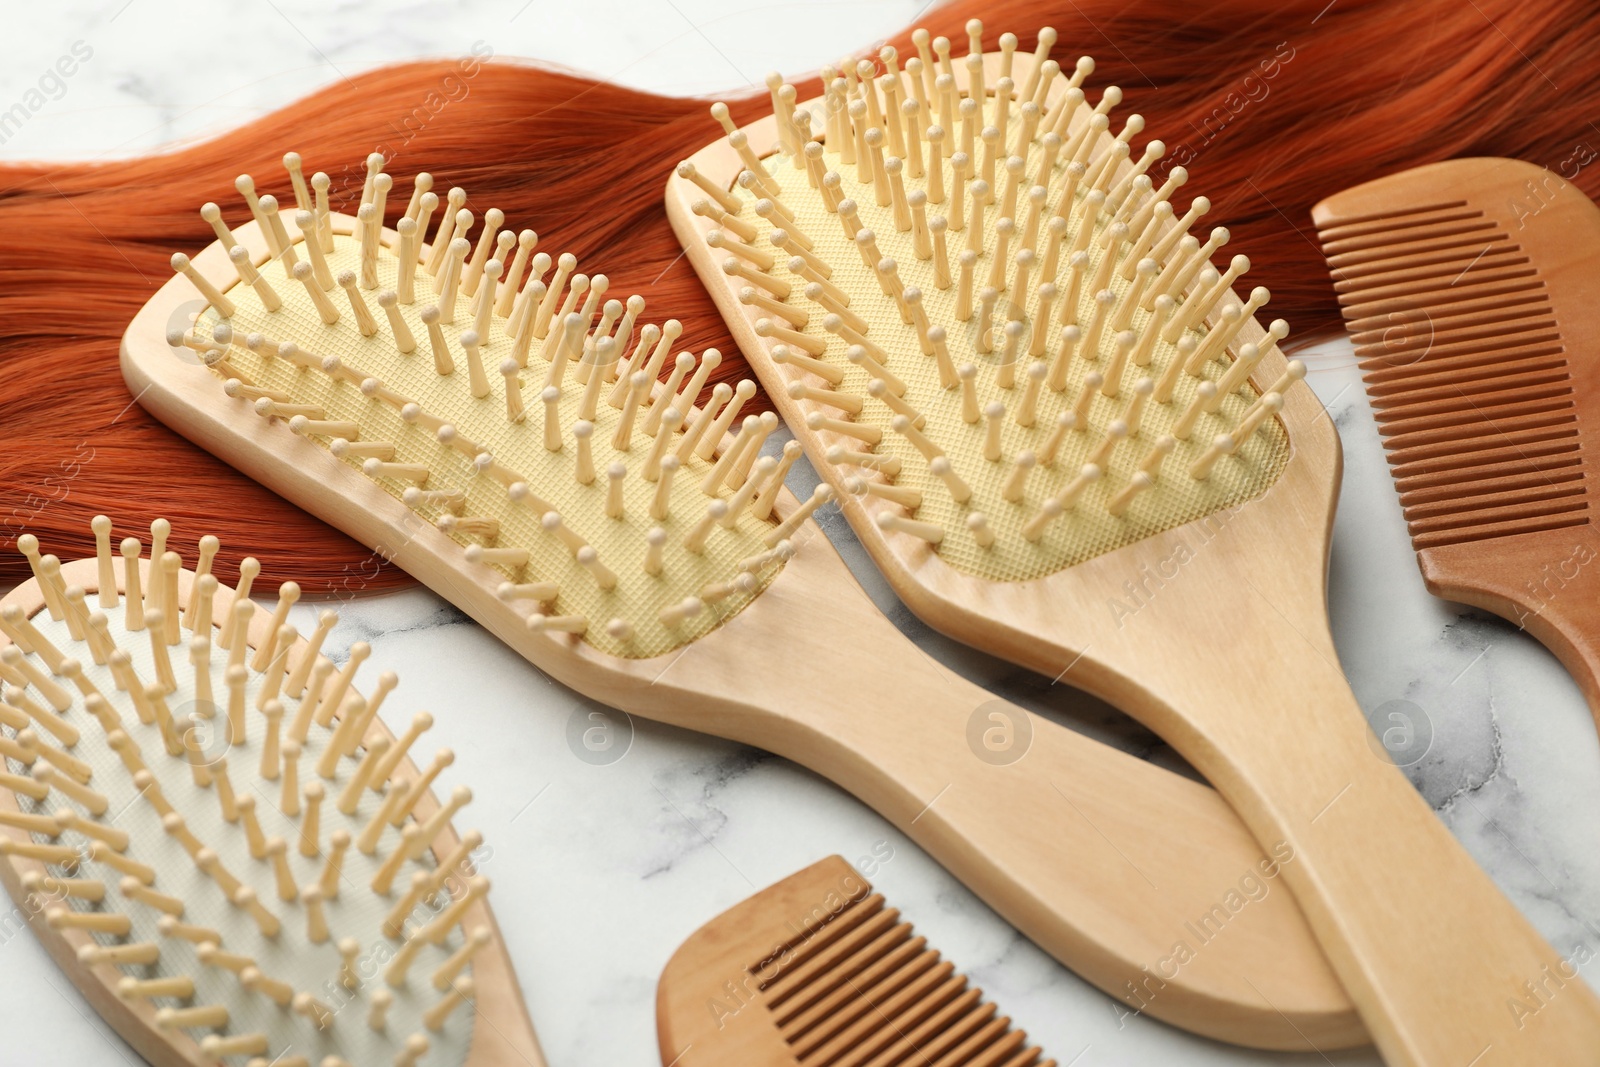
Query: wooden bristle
pixel 1071 265
pixel 542 344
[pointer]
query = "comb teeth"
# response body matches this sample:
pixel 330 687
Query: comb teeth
pixel 188 831
pixel 863 988
pixel 1466 367
pixel 508 399
pixel 995 318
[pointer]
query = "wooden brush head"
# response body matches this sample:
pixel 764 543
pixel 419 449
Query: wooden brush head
pixel 1463 285
pixel 958 323
pixel 995 337
pixel 411 364
pixel 219 841
pixel 818 969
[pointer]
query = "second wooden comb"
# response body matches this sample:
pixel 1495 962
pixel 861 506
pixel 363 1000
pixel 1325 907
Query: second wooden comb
pixel 1461 284
pixel 819 970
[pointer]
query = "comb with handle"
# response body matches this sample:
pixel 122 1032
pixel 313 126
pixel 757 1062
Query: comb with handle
pixel 818 969
pixel 643 555
pixel 1064 440
pixel 219 841
pixel 1462 284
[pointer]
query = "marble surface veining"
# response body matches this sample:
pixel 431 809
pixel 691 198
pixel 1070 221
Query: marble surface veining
pixel 601 870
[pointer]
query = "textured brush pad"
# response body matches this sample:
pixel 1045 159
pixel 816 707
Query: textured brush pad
pixel 293 958
pixel 486 472
pixel 1039 291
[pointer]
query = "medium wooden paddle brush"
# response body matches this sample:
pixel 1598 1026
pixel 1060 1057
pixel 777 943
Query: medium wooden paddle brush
pixel 1066 441
pixel 218 840
pixel 486 416
pixel 819 970
pixel 1463 284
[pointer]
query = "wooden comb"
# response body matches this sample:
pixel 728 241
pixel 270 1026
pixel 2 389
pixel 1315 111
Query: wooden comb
pixel 1460 283
pixel 1039 407
pixel 218 840
pixel 643 555
pixel 819 970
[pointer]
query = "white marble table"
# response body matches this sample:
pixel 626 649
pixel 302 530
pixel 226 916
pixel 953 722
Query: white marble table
pixel 602 870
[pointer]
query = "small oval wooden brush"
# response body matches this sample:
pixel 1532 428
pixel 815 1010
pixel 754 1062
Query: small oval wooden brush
pixel 495 426
pixel 219 841
pixel 1462 284
pixel 818 969
pixel 1065 440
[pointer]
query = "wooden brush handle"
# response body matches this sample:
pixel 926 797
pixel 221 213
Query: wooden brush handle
pixel 1546 583
pixel 1100 858
pixel 1052 843
pixel 1433 954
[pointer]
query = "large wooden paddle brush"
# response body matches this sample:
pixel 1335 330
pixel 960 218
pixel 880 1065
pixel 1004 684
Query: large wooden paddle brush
pixel 1065 440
